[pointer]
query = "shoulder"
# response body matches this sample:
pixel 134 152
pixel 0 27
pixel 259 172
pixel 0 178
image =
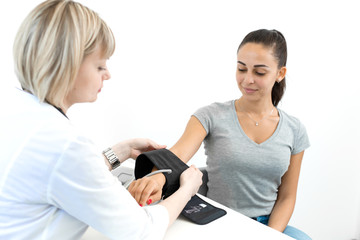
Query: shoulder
pixel 290 121
pixel 293 126
pixel 37 121
pixel 215 113
pixel 217 107
pixel 222 105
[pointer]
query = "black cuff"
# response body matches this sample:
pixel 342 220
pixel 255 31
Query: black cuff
pixel 161 159
pixel 201 212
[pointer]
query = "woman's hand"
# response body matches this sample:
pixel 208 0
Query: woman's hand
pixel 140 145
pixel 132 148
pixel 147 190
pixel 191 179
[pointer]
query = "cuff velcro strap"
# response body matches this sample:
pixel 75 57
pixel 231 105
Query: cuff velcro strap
pixel 161 159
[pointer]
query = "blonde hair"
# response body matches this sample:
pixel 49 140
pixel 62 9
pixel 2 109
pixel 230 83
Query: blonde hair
pixel 51 44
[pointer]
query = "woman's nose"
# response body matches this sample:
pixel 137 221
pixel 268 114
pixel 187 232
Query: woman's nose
pixel 107 75
pixel 249 78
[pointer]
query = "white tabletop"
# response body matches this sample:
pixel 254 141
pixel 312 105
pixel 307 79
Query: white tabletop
pixel 233 225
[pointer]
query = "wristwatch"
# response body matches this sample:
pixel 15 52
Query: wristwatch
pixel 112 158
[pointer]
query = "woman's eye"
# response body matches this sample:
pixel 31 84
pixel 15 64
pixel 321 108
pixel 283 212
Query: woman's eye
pixel 241 70
pixel 101 69
pixel 260 74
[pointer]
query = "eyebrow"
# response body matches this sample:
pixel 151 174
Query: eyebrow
pixel 258 65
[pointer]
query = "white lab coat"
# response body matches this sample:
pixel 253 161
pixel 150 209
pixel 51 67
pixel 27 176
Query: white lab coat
pixel 54 182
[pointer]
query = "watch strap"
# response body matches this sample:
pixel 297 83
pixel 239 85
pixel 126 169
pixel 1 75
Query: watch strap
pixel 112 158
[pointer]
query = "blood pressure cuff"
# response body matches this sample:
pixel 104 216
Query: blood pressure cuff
pixel 201 212
pixel 161 159
pixel 197 210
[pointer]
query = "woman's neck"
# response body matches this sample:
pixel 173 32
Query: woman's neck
pixel 254 107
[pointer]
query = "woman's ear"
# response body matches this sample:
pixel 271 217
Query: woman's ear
pixel 281 74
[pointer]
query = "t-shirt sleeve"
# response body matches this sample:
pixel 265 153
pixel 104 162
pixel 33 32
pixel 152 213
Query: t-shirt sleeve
pixel 82 186
pixel 204 116
pixel 301 140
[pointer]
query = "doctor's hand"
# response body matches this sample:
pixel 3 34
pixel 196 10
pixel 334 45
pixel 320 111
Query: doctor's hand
pixel 147 190
pixel 132 148
pixel 191 179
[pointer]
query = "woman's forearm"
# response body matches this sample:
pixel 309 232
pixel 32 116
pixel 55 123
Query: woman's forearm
pixel 281 214
pixel 285 202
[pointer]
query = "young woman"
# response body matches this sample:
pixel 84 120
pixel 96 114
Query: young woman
pixel 254 150
pixel 53 181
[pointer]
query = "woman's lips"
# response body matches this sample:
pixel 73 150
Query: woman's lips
pixel 100 88
pixel 250 90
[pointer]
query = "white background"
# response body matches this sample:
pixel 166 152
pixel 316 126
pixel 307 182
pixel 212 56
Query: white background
pixel 173 57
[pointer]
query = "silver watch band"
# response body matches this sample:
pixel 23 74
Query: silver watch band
pixel 112 158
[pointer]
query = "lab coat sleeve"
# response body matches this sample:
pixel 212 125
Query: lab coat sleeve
pixel 82 186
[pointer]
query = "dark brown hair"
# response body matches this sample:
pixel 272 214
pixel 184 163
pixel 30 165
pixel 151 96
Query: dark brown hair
pixel 275 40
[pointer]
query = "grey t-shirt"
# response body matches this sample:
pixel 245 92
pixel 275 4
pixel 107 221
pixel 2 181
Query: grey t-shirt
pixel 244 175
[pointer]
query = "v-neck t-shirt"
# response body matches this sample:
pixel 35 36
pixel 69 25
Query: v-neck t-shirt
pixel 245 175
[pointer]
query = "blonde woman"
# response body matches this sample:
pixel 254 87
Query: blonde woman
pixel 53 182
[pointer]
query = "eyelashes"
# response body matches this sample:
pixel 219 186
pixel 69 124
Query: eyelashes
pixel 257 73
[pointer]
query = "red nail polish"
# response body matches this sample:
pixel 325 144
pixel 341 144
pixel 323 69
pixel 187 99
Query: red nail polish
pixel 140 205
pixel 149 201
